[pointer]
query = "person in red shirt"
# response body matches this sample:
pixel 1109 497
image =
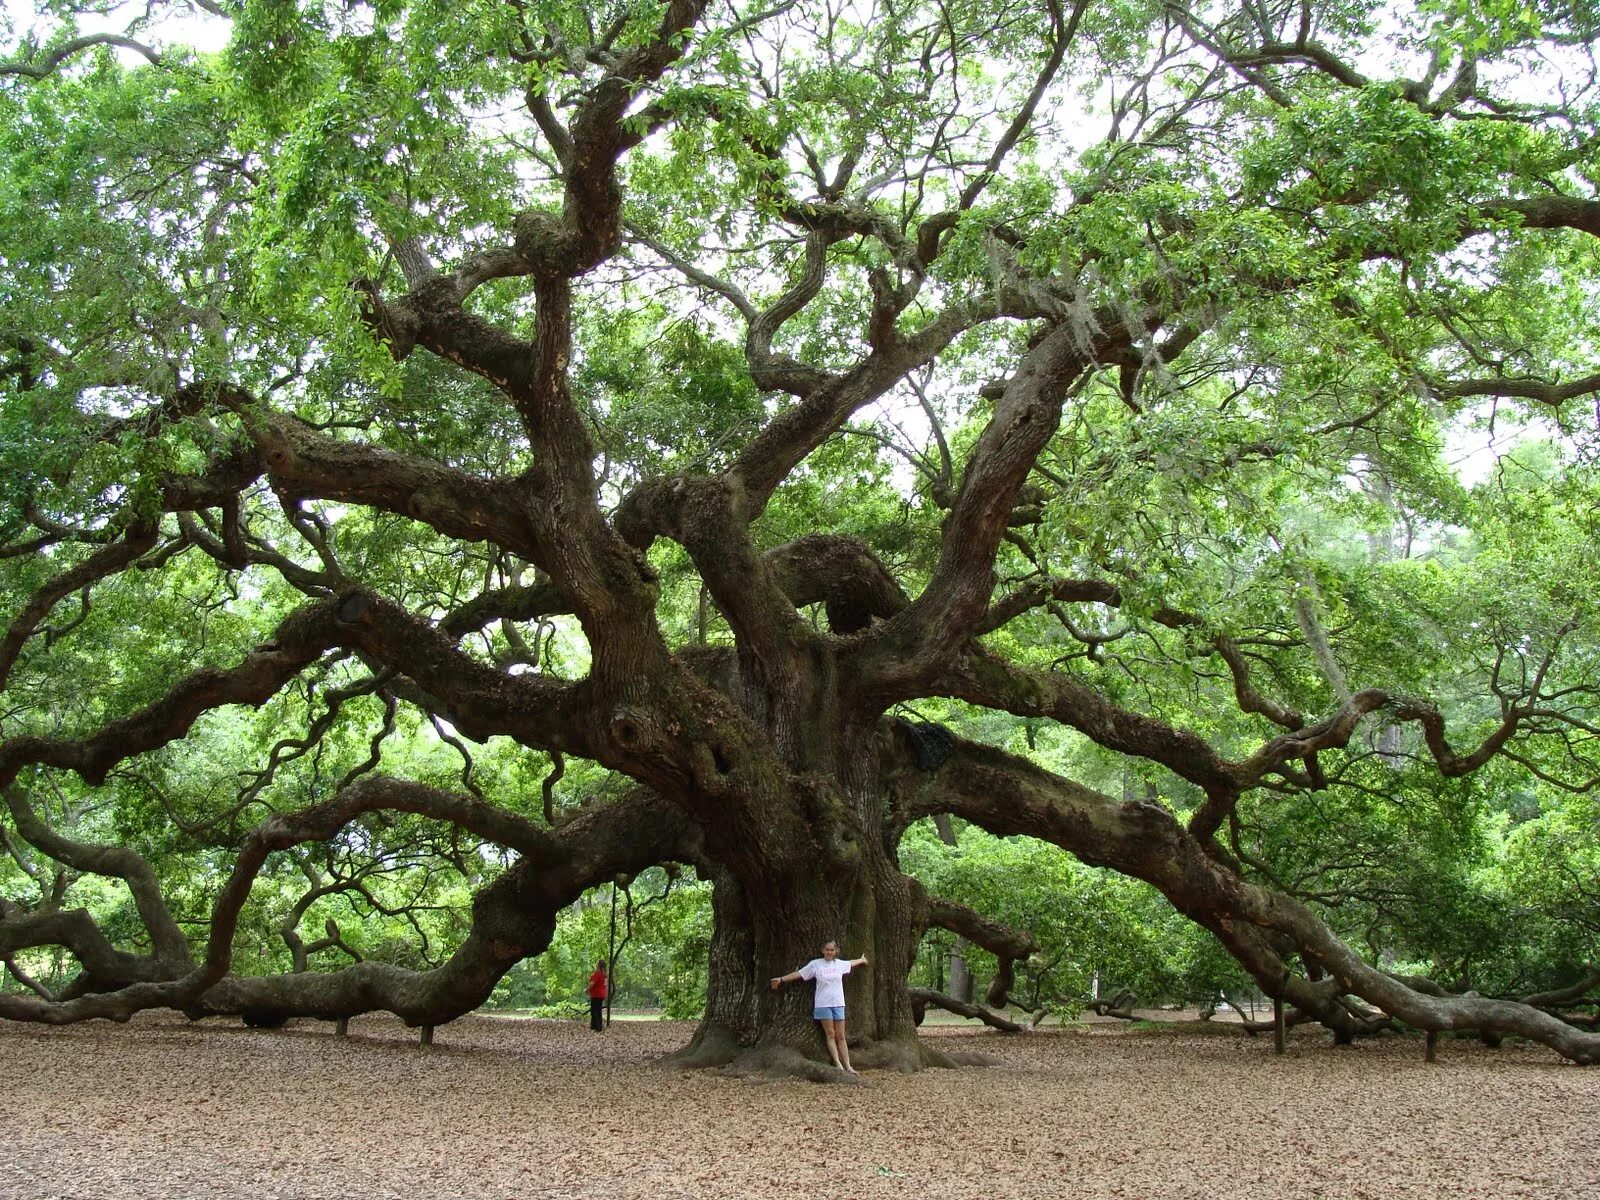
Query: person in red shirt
pixel 597 996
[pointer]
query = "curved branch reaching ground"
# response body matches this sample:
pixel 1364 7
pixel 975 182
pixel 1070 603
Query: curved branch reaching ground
pixel 28 981
pixel 105 968
pixel 772 753
pixel 1000 940
pixel 512 917
pixel 1573 993
pixel 1007 795
pixel 927 997
pixel 1005 943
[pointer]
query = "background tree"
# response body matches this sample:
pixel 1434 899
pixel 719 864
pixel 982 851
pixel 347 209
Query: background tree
pixel 482 451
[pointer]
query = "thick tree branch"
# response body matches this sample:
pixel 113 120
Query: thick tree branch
pixel 301 638
pixel 1566 995
pixel 107 560
pixel 842 573
pixel 1000 940
pixel 480 700
pixel 512 917
pixel 921 639
pixel 1009 795
pixel 708 518
pixel 104 966
pixel 985 679
pixel 785 441
pixel 1544 212
pixel 117 862
pixel 1541 391
pixel 1006 944
pixel 42 66
pixel 1038 592
pixel 522 602
pixel 928 997
pixel 305 464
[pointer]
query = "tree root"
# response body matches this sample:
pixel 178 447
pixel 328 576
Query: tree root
pixel 711 1047
pixel 771 1062
pixel 716 1047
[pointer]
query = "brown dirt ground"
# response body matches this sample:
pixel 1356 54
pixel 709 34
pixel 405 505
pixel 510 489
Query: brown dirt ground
pixel 502 1108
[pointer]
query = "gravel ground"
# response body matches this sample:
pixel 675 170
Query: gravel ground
pixel 501 1108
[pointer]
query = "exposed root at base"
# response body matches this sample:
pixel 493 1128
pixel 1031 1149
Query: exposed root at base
pixel 717 1048
pixel 712 1046
pixel 784 1062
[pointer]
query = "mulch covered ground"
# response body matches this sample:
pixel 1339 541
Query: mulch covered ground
pixel 513 1108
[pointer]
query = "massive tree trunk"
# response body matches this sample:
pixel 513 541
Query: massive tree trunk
pixel 869 909
pixel 834 877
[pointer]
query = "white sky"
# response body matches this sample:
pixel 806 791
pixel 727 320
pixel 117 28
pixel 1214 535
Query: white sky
pixel 195 28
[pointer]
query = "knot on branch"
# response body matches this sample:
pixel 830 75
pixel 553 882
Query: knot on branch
pixel 653 509
pixel 396 326
pixel 634 730
pixel 354 608
pixel 931 743
pixel 842 572
pixel 545 241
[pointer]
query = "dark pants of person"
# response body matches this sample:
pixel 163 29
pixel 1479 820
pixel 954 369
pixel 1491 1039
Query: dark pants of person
pixel 597 1007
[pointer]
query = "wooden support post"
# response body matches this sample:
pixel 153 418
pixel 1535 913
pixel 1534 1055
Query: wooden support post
pixel 1279 1028
pixel 1432 1053
pixel 427 1035
pixel 341 1027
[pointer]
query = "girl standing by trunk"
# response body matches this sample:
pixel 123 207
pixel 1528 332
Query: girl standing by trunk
pixel 828 1005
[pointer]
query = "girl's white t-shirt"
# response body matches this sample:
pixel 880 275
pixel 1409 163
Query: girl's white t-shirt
pixel 830 981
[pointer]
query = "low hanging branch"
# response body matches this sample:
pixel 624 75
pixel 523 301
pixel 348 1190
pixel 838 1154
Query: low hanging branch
pixel 1006 944
pixel 116 862
pixel 513 916
pixel 1008 795
pixel 1576 993
pixel 976 1012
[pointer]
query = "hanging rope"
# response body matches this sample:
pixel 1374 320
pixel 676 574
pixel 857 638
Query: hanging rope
pixel 611 956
